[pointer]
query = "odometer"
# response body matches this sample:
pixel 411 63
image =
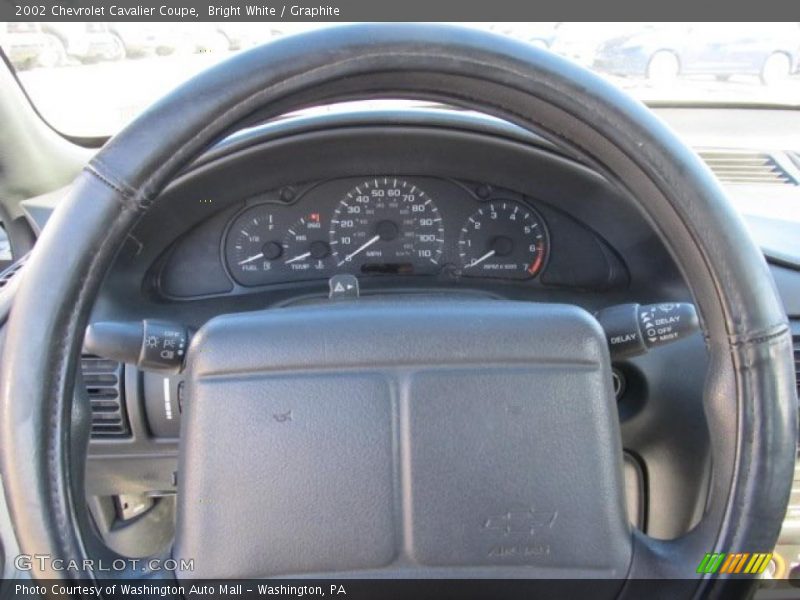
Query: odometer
pixel 503 239
pixel 387 225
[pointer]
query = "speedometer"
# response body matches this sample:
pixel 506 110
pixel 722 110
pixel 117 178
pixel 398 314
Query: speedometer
pixel 387 225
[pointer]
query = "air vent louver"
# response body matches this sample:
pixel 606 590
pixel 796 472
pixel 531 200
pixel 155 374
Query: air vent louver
pixel 743 166
pixel 796 340
pixel 103 381
pixel 7 275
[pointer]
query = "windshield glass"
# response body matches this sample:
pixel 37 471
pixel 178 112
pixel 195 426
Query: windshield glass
pixel 90 79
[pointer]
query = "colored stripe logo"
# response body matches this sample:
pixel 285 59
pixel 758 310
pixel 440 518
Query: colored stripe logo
pixel 743 563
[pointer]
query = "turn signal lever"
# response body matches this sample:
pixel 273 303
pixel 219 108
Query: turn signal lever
pixel 633 329
pixel 150 344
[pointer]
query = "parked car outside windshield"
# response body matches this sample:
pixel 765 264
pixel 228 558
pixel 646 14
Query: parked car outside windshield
pixel 766 51
pixel 90 79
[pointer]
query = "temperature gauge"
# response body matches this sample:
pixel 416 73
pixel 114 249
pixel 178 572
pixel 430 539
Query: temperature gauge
pixel 306 248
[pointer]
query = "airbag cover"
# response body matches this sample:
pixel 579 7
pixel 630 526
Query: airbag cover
pixel 421 437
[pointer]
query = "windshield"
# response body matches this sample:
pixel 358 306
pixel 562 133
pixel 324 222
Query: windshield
pixel 90 79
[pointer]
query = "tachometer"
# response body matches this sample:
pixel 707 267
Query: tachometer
pixel 387 225
pixel 503 239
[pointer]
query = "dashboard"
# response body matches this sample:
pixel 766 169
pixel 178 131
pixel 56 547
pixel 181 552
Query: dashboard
pixel 377 227
pixel 386 225
pixel 400 208
pixel 388 230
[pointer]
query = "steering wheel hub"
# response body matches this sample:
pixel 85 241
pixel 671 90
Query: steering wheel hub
pixel 376 434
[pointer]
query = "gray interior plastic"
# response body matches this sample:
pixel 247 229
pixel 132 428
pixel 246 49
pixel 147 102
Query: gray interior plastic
pixel 431 437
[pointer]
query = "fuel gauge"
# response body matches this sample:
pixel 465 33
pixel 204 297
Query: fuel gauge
pixel 253 248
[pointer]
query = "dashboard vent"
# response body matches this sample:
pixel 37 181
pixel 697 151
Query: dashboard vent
pixel 744 166
pixel 796 340
pixel 103 381
pixel 7 275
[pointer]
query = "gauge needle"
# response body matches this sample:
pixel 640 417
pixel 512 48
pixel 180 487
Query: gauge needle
pixel 298 257
pixel 252 258
pixel 478 261
pixel 361 248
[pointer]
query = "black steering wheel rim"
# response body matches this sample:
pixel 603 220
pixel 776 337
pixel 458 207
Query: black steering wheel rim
pixel 749 400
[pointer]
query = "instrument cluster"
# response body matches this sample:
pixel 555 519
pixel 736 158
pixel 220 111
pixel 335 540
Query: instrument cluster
pixel 386 225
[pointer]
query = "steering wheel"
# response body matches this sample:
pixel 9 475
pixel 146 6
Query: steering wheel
pixel 408 413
